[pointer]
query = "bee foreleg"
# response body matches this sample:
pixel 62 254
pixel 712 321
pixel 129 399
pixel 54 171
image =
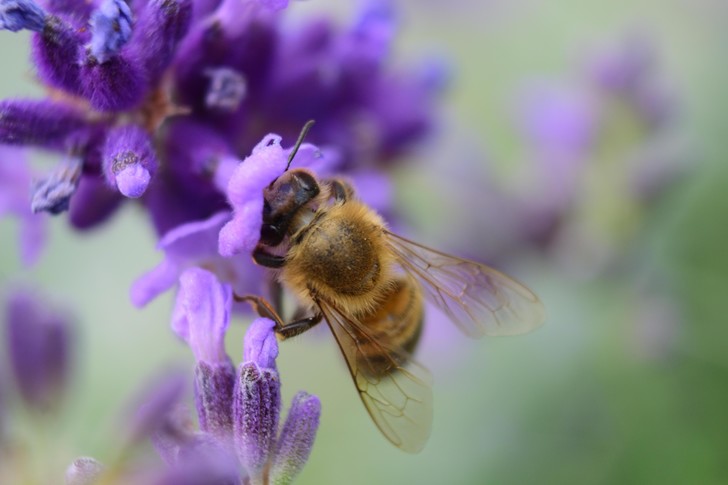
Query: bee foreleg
pixel 264 258
pixel 341 190
pixel 261 307
pixel 297 327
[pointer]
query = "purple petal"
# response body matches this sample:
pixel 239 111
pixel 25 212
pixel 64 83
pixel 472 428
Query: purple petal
pixel 116 85
pixel 154 282
pixel 132 181
pixel 296 440
pixel 260 345
pixel 202 314
pixel 245 193
pixel 256 407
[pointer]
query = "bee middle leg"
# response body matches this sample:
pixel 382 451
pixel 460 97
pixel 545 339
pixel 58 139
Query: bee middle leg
pixel 283 330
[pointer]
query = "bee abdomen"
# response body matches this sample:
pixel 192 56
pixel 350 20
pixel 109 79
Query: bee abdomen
pixel 396 326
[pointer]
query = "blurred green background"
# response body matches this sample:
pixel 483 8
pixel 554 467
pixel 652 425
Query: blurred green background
pixel 594 396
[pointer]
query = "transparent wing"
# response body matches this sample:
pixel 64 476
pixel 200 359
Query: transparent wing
pixel 479 299
pixel 396 390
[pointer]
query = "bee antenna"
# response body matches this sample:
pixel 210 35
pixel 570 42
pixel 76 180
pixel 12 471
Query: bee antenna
pixel 301 137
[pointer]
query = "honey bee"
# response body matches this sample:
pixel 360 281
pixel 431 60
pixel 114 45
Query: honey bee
pixel 369 284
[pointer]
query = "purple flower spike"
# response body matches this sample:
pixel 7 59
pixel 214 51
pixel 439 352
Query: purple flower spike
pixel 110 29
pixel 38 344
pixel 261 346
pixel 53 193
pixel 227 89
pixel 245 194
pixel 256 407
pixel 202 314
pixel 129 160
pixel 84 471
pixel 43 123
pixel 274 5
pixel 18 15
pixel 296 440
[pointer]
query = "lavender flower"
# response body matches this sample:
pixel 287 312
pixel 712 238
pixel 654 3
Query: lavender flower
pixel 39 346
pixel 21 14
pixel 296 440
pixel 110 29
pixel 84 471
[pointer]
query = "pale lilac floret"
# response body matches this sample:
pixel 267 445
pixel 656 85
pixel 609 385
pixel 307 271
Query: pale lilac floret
pixel 110 29
pixel 129 160
pixel 202 314
pixel 196 244
pixel 260 345
pixel 245 188
pixel 245 194
pixel 18 15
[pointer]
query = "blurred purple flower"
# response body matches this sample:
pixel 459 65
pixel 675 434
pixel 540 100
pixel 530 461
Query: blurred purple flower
pixel 39 343
pixel 15 182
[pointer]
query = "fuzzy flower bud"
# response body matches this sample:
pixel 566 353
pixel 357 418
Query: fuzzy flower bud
pixel 84 471
pixel 45 123
pixel 39 343
pixel 257 400
pixel 296 440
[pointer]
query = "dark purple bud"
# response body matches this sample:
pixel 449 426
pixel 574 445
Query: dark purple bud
pixel 110 29
pixel 42 123
pixel 161 25
pixel 256 407
pixel 214 385
pixel 53 193
pixel 116 85
pixel 39 342
pixel 226 90
pixel 151 408
pixel 18 15
pixel 296 440
pixel 129 160
pixel 93 203
pixel 84 471
pixel 55 52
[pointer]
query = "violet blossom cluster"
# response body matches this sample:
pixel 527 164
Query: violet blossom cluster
pixel 161 101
